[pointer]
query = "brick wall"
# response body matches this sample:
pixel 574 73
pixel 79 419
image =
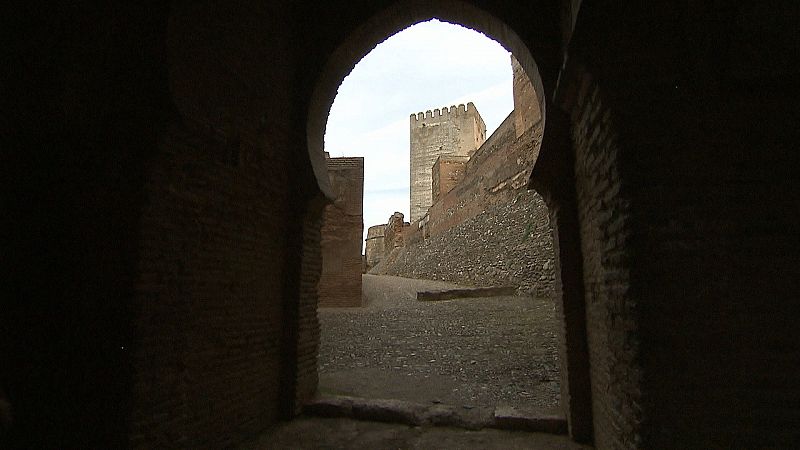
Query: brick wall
pixel 527 112
pixel 219 233
pixel 688 345
pixel 342 231
pixel 393 234
pixel 603 216
pixel 218 260
pixel 448 171
pixel 161 251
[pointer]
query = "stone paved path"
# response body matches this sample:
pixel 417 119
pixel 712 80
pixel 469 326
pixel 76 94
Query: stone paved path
pixel 476 352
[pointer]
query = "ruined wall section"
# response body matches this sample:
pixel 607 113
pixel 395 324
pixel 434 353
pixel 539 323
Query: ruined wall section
pixel 393 233
pixel 448 171
pixel 343 227
pixel 458 131
pixel 374 246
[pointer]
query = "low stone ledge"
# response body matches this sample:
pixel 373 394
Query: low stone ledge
pixel 508 418
pixel 449 294
pixel 416 414
pixel 459 417
pixel 392 411
pixel 329 407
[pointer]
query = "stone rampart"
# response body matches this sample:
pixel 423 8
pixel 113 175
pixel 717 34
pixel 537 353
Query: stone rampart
pixel 458 131
pixel 489 230
pixel 485 228
pixel 448 171
pixel 508 244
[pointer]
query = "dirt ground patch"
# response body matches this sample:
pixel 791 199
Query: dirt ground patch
pixel 473 352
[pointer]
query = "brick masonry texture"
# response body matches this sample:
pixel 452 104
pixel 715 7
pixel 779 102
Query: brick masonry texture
pixel 163 175
pixel 342 230
pixel 447 172
pixel 221 253
pixel 612 357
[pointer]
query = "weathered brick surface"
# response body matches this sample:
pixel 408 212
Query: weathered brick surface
pixel 612 326
pixel 301 374
pixel 218 257
pixel 448 171
pixel 684 330
pixel 527 112
pixel 342 230
pixel 157 185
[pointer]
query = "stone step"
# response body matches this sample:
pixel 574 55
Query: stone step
pixel 416 414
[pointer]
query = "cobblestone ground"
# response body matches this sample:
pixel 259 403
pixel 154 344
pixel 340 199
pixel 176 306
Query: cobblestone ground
pixel 474 352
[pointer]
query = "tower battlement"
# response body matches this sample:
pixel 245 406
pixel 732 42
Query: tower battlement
pixel 443 114
pixel 457 130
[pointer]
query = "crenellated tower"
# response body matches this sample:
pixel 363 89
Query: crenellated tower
pixel 457 131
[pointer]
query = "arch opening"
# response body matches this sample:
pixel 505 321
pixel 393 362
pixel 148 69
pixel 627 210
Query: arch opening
pixel 387 24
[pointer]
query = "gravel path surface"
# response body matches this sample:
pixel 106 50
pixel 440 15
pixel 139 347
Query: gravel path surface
pixel 475 352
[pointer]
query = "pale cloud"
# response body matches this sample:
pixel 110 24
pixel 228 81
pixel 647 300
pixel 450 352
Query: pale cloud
pixel 429 65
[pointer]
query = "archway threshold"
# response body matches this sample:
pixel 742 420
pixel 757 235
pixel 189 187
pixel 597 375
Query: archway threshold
pixel 436 414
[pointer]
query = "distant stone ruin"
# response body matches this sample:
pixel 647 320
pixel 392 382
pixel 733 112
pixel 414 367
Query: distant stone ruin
pixel 373 248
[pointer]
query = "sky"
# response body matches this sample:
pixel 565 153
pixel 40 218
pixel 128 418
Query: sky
pixel 426 66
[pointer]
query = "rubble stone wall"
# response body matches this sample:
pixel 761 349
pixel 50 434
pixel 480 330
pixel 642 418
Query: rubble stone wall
pixel 508 244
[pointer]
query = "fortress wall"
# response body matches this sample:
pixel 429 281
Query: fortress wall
pixel 487 229
pixel 507 244
pixel 343 225
pixel 458 130
pixel 448 171
pixel 526 103
pixel 495 173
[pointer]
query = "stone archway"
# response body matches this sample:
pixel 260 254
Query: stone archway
pixel 575 389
